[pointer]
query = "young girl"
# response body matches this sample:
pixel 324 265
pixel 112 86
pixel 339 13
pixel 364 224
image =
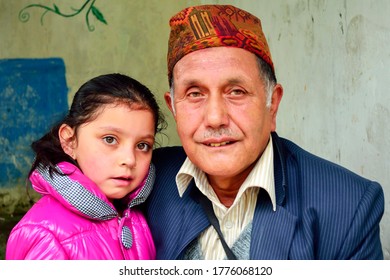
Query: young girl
pixel 93 169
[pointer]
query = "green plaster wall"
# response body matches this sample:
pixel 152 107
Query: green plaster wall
pixel 133 42
pixel 332 58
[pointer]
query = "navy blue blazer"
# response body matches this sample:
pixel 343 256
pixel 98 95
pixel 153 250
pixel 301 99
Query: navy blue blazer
pixel 323 211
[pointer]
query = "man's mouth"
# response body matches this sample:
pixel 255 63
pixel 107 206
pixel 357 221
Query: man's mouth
pixel 219 144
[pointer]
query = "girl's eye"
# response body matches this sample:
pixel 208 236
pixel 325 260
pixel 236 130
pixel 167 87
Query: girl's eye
pixel 109 140
pixel 143 147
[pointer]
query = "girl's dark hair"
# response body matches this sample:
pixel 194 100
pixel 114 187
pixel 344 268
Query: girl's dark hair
pixel 88 100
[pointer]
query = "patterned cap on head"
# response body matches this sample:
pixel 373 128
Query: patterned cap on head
pixel 208 26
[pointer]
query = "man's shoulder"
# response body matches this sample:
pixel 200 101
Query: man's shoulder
pixel 314 166
pixel 168 149
pixel 303 157
pixel 170 154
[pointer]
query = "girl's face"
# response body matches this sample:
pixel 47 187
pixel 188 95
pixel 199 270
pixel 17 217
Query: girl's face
pixel 115 149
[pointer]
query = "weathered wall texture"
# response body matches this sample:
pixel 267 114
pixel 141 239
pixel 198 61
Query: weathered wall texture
pixel 332 58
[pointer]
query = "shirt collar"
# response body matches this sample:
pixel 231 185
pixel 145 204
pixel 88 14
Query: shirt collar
pixel 261 176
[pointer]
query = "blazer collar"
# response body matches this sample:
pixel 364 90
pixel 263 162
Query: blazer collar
pixel 280 169
pixel 273 231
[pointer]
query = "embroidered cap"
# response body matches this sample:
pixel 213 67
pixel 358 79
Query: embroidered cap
pixel 207 26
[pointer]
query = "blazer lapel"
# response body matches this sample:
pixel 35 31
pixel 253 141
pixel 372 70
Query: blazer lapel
pixel 273 231
pixel 193 221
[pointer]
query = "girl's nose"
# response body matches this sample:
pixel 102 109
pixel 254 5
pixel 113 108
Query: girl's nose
pixel 127 158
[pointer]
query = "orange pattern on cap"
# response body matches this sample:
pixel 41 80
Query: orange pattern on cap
pixel 208 26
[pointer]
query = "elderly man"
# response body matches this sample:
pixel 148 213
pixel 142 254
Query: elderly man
pixel 236 189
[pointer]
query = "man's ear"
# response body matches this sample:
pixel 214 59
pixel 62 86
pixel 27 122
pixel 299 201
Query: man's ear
pixel 169 102
pixel 277 95
pixel 67 138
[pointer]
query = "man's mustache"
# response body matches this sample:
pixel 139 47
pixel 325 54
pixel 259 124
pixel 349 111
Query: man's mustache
pixel 217 133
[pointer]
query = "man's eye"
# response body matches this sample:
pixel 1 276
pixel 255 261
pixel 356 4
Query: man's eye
pixel 237 92
pixel 194 94
pixel 143 147
pixel 109 140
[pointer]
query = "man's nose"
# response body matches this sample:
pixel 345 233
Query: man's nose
pixel 216 113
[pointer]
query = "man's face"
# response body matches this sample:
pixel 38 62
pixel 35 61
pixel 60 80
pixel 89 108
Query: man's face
pixel 220 110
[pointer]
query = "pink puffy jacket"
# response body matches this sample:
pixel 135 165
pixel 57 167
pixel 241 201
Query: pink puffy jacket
pixel 74 220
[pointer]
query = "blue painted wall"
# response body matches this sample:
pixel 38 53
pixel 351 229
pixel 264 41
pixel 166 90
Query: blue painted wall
pixel 33 96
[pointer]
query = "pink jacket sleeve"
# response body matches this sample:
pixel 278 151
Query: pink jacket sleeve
pixel 33 243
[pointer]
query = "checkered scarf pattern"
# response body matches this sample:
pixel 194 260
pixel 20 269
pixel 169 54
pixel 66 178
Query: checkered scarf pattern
pixel 85 201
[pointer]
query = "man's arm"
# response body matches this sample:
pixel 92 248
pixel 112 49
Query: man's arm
pixel 363 239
